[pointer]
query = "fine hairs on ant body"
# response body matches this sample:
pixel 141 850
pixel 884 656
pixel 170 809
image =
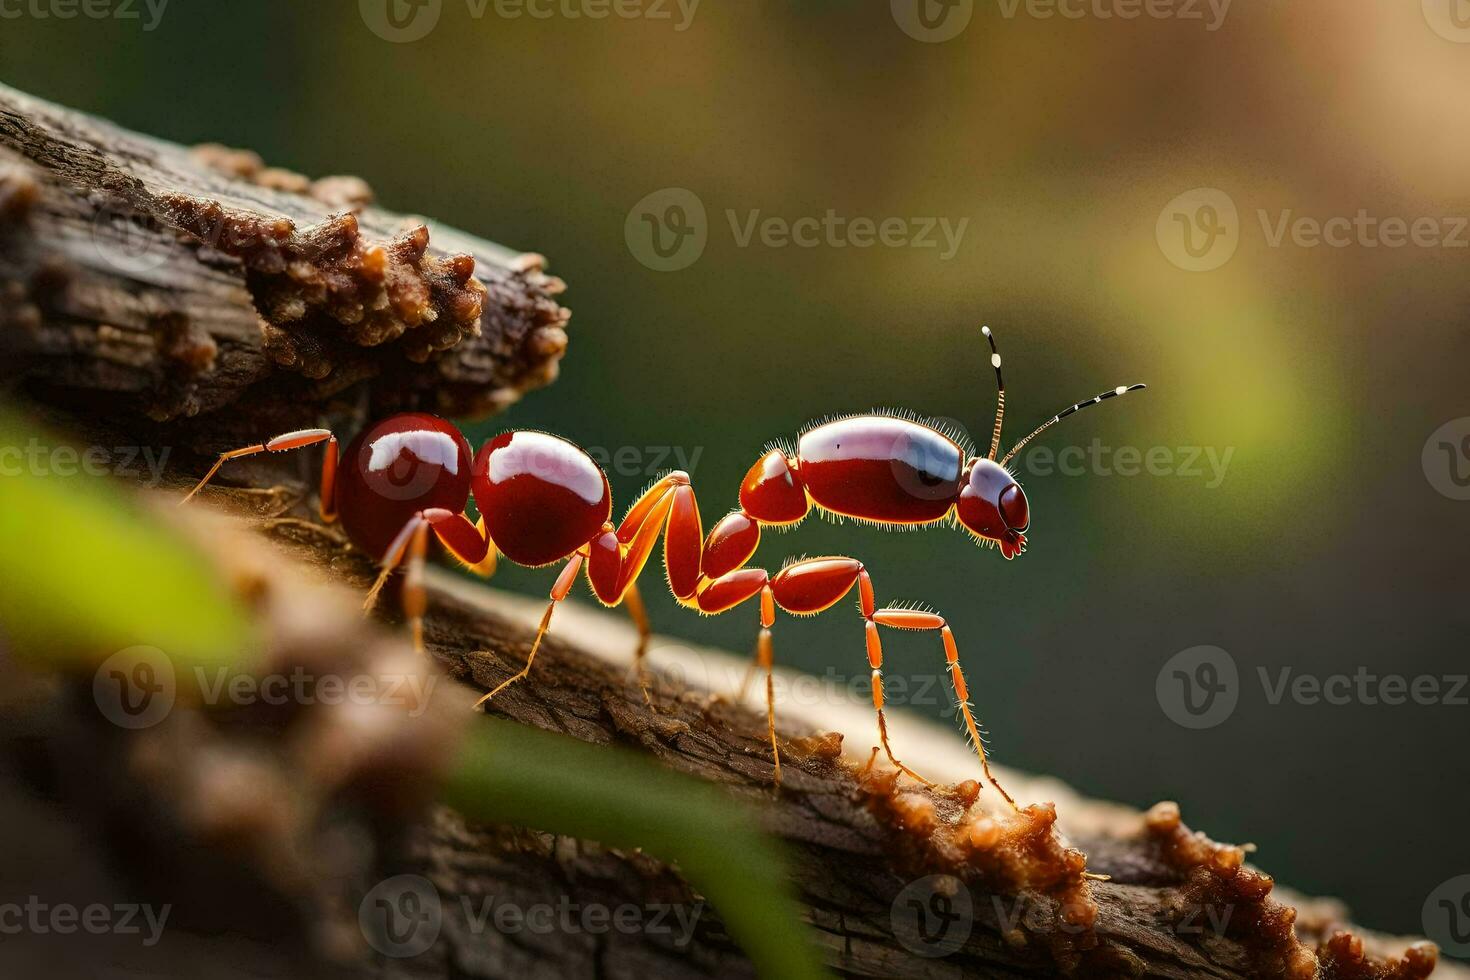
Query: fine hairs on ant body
pixel 544 500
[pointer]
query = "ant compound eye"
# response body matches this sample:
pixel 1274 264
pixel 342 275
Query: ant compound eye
pixel 979 506
pixel 1014 509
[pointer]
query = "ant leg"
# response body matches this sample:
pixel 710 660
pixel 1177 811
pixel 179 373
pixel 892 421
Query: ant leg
pixel 754 664
pixel 645 519
pixel 633 602
pixel 284 443
pixel 810 586
pixel 415 599
pixel 912 619
pixel 467 542
pixel 559 591
pixel 668 507
pixel 327 505
pixel 485 567
pixel 727 592
pixel 765 656
pixel 409 546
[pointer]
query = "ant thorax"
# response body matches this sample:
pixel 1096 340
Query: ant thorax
pixel 881 468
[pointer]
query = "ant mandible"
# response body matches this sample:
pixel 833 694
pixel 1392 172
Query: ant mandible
pixel 544 500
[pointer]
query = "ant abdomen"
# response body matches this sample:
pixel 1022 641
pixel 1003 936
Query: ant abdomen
pixel 881 468
pixel 391 471
pixel 542 497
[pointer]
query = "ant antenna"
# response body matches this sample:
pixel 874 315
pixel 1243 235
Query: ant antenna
pixel 1000 402
pixel 1120 390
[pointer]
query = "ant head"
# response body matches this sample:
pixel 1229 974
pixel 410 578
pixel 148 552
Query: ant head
pixel 992 506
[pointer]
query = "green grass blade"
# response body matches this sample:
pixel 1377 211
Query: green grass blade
pixel 510 773
pixel 83 573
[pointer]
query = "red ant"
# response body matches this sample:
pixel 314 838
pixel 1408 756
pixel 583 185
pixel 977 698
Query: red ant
pixel 544 500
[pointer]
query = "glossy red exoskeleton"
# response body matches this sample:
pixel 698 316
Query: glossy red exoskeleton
pixel 544 500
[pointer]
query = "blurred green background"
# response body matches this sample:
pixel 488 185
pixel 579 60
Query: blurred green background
pixel 1325 548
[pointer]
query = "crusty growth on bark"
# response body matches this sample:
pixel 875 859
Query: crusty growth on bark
pixel 140 275
pixel 1004 854
pixel 325 290
pixel 1218 882
pixel 336 191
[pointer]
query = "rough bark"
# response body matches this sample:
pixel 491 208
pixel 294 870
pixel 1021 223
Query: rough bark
pixel 279 856
pixel 147 278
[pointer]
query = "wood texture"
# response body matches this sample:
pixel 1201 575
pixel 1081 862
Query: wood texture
pixel 141 277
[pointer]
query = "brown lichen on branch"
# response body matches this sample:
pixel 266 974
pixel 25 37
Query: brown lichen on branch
pixel 326 289
pixel 1016 853
pixel 335 191
pixel 1344 956
pixel 293 291
pixel 1219 887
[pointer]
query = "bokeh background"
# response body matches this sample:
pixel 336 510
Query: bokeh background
pixel 1327 545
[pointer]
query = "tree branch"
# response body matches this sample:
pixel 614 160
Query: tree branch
pixel 143 276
